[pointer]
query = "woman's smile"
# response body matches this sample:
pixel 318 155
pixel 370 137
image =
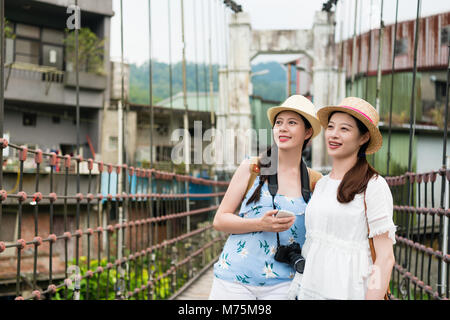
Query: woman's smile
pixel 284 138
pixel 334 145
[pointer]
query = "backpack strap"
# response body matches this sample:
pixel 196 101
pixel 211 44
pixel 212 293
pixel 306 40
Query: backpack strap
pixel 254 172
pixel 314 175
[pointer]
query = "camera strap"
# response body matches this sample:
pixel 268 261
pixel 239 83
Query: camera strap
pixel 304 178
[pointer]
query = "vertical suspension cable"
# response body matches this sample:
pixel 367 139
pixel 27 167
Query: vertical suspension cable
pixel 121 174
pixel 412 124
pixel 205 81
pixel 392 90
pixel 211 80
pixel 341 49
pixel 369 52
pixel 196 55
pixel 77 103
pixel 2 94
pixel 352 90
pixel 380 53
pixel 122 92
pixel 77 85
pixel 360 53
pixel 150 257
pixel 444 146
pixel 186 117
pixel 170 71
pixel 150 80
pixel 412 115
pixel 217 22
pixel 444 286
pixel 227 84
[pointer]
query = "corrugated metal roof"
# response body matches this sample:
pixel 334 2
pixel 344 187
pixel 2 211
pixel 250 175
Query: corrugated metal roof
pixel 432 53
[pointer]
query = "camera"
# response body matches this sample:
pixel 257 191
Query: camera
pixel 292 255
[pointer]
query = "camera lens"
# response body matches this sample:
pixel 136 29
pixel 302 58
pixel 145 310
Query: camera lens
pixel 299 265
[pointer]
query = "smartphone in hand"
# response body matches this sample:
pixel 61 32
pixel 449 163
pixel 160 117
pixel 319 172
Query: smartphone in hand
pixel 285 214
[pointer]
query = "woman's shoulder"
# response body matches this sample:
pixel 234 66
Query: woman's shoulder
pixel 247 171
pixel 246 165
pixel 376 184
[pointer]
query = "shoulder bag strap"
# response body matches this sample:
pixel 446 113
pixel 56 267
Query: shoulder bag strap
pixel 372 247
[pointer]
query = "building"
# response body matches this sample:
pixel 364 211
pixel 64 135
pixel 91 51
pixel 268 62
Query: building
pixel 40 112
pixel 360 68
pixel 39 59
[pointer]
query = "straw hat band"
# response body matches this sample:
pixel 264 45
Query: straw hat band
pixel 359 111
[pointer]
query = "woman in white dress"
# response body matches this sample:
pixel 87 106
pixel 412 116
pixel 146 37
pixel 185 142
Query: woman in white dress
pixel 338 257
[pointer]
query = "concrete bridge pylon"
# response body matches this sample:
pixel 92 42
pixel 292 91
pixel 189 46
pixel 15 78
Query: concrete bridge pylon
pixel 328 81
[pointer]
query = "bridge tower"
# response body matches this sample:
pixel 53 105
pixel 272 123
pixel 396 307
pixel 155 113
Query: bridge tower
pixel 245 44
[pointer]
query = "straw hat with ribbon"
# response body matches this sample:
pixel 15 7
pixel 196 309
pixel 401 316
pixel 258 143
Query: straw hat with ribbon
pixel 361 110
pixel 301 105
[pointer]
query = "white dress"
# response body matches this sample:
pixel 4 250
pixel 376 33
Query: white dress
pixel 337 252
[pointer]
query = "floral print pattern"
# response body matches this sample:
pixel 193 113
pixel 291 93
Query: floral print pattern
pixel 249 258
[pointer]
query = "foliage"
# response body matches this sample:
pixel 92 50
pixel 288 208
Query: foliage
pixel 90 50
pixel 9 32
pixel 397 119
pixel 270 86
pixel 99 284
pixel 437 115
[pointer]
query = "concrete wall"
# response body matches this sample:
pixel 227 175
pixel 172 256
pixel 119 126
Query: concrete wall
pixel 429 158
pixel 46 134
pixel 110 129
pixel 281 41
pixel 103 7
pixel 57 94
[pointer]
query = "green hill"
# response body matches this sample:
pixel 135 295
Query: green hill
pixel 271 86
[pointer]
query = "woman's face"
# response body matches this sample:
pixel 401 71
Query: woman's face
pixel 289 130
pixel 342 136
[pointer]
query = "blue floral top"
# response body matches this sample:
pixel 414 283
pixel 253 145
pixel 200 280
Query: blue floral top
pixel 249 258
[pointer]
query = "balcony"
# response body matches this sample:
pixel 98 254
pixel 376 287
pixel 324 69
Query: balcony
pixel 42 84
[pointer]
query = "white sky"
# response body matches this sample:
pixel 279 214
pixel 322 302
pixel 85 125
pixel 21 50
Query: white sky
pixel 264 14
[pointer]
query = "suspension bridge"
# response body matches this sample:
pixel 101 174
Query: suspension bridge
pixel 85 229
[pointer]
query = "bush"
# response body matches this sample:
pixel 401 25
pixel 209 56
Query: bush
pixel 90 51
pixel 99 283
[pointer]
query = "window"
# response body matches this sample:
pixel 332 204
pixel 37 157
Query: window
pixel 163 153
pixel 401 46
pixel 39 46
pixel 441 90
pixel 24 30
pixel 445 36
pixel 29 119
pixel 52 56
pixel 27 51
pixel 68 149
pixel 52 36
pixel 112 143
pixel 56 119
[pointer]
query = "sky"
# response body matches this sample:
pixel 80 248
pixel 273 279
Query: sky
pixel 206 20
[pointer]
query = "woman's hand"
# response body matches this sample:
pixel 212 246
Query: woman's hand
pixel 269 223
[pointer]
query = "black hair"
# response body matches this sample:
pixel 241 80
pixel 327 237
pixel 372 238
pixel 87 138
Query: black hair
pixel 266 155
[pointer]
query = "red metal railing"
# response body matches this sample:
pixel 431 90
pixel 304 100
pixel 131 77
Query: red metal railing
pixel 91 254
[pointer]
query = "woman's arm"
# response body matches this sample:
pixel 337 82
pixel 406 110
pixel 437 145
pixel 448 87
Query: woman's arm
pixel 382 268
pixel 225 220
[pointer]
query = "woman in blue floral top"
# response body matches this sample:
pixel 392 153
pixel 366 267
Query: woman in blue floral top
pixel 246 269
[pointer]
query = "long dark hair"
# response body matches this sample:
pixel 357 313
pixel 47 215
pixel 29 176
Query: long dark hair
pixel 264 162
pixel 356 179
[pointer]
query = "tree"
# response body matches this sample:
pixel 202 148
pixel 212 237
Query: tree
pixel 90 50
